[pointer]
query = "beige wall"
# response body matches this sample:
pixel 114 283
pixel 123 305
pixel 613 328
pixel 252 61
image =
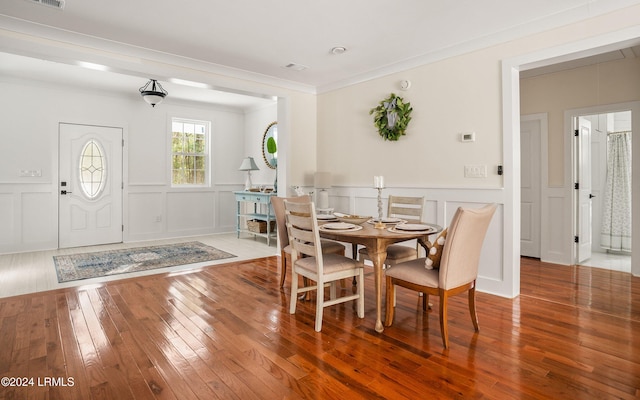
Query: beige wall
pixel 458 94
pixel 446 101
pixel 303 137
pixel 602 84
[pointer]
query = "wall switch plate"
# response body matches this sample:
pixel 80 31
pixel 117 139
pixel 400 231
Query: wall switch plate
pixel 475 171
pixel 29 172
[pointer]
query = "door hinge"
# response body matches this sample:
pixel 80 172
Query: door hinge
pixel 122 227
pixel 576 239
pixel 576 133
pixel 122 142
pixel 576 186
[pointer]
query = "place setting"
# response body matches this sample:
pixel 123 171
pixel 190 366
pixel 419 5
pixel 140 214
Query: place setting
pixel 326 218
pixel 340 226
pixel 387 221
pixel 412 228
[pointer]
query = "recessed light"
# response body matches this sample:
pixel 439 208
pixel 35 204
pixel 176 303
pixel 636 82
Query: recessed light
pixel 184 82
pixel 97 67
pixel 338 50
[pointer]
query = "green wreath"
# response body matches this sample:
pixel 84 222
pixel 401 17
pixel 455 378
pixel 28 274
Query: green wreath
pixel 391 117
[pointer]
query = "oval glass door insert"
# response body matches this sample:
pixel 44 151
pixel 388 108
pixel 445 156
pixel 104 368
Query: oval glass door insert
pixel 92 169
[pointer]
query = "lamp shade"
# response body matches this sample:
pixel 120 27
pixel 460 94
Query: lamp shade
pixel 322 180
pixel 248 165
pixel 154 94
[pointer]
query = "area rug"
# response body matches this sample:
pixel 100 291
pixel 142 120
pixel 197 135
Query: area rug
pixel 106 263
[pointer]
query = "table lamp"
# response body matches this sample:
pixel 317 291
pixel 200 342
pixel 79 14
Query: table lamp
pixel 248 165
pixel 322 181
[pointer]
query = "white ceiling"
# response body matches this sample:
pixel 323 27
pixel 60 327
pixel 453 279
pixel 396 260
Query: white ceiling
pixel 260 38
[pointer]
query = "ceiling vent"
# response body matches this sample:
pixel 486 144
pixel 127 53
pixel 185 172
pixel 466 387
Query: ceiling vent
pixel 59 4
pixel 296 67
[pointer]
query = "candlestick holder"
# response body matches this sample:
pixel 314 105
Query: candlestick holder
pixel 379 224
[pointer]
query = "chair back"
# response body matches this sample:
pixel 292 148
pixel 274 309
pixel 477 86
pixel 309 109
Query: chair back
pixel 302 226
pixel 409 208
pixel 278 209
pixel 462 247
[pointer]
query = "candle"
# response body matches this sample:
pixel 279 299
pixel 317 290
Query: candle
pixel 378 182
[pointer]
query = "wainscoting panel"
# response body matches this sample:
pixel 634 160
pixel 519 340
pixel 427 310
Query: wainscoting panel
pixel 29 217
pixel 159 212
pixel 7 216
pixel 556 229
pixel 226 210
pixel 38 218
pixel 146 215
pixel 190 212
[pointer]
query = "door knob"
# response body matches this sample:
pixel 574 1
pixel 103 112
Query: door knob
pixel 64 192
pixel 591 196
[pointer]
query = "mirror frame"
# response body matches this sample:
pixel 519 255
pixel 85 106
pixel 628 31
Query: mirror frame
pixel 268 159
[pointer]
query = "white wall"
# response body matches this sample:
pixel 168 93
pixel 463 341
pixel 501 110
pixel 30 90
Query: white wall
pixel 256 122
pixel 153 209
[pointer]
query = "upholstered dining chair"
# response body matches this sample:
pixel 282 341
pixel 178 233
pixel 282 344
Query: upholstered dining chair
pixel 457 271
pixel 308 260
pixel 409 209
pixel 328 246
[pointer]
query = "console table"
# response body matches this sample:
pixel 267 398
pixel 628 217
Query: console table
pixel 262 211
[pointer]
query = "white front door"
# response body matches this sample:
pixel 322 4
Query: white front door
pixel 530 132
pixel 584 192
pixel 90 185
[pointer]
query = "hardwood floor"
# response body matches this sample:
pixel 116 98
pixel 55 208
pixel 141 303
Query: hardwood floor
pixel 225 332
pixel 22 273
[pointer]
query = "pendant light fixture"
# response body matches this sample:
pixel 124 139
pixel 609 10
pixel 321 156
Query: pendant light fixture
pixel 154 94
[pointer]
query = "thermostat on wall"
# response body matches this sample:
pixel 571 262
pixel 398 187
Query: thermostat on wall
pixel 468 137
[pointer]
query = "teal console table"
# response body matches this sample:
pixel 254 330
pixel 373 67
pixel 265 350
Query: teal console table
pixel 259 209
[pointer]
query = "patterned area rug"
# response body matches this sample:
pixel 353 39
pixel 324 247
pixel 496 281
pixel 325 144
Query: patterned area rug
pixel 105 263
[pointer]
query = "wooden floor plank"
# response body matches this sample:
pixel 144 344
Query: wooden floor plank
pixel 226 332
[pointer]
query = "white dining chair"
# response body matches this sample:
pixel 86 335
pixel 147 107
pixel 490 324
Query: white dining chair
pixel 308 260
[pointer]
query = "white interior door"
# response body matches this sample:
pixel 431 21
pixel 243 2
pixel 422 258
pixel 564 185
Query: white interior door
pixel 90 185
pixel 530 187
pixel 584 192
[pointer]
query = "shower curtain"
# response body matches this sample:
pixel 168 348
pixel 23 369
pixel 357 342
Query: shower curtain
pixel 616 219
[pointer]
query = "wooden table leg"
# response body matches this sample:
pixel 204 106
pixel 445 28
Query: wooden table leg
pixel 378 259
pixel 354 255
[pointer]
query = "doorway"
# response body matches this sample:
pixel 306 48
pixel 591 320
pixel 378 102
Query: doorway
pixel 90 185
pixel 531 132
pixel 603 241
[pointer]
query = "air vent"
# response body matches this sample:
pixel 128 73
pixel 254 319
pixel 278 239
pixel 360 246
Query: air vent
pixel 296 67
pixel 59 4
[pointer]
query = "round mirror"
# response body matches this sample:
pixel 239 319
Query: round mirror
pixel 270 145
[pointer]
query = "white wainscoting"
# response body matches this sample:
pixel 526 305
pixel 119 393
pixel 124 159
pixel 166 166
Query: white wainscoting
pixel 158 212
pixel 29 214
pixel 440 205
pixel 556 226
pixel 28 217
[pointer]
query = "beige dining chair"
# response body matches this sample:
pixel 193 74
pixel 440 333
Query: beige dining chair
pixel 328 246
pixel 457 272
pixel 406 208
pixel 308 260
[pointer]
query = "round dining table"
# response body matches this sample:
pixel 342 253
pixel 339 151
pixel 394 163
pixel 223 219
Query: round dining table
pixel 376 240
